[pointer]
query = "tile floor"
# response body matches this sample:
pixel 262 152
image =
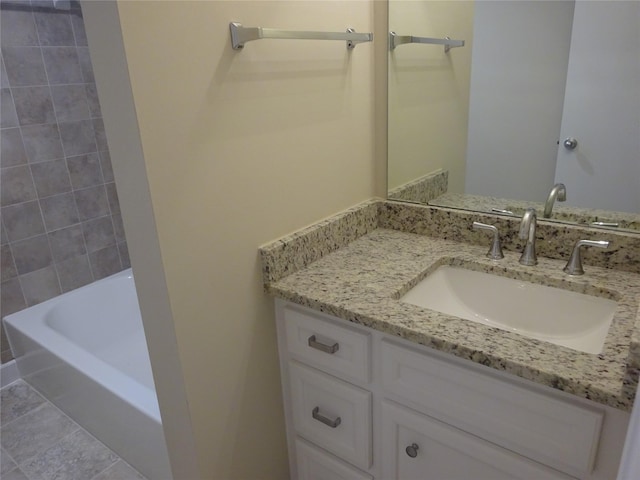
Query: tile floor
pixel 39 442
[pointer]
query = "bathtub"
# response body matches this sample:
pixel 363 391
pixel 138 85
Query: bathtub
pixel 86 352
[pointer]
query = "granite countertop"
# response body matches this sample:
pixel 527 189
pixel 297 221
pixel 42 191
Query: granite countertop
pixel 362 281
pixel 561 212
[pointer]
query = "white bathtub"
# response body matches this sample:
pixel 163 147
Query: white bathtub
pixel 86 352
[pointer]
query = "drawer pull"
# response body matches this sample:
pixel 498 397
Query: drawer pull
pixel 327 421
pixel 412 450
pixel 313 343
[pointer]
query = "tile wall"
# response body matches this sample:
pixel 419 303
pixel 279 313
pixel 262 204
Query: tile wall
pixel 61 226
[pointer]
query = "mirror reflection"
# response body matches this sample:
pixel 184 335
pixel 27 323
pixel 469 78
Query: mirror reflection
pixel 542 94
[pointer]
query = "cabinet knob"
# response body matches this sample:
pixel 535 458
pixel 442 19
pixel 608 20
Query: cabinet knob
pixel 412 450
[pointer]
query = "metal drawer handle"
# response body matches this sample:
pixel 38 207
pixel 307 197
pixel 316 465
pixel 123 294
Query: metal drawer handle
pixel 412 450
pixel 313 343
pixel 327 421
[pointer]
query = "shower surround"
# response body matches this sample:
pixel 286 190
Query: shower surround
pixel 61 226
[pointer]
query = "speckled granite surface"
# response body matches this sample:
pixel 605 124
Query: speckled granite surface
pixel 362 281
pixel 560 213
pixel 295 251
pixel 553 240
pixel 423 189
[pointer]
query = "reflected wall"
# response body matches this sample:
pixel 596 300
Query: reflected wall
pixel 429 91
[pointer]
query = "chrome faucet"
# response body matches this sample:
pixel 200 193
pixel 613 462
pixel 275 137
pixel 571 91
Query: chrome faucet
pixel 574 265
pixel 528 232
pixel 558 192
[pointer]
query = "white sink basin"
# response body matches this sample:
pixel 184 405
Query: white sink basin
pixel 566 318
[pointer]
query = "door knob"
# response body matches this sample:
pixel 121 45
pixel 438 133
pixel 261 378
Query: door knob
pixel 570 143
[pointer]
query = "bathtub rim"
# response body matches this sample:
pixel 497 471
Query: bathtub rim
pixel 140 396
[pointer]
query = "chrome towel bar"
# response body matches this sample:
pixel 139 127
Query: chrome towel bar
pixel 395 40
pixel 240 35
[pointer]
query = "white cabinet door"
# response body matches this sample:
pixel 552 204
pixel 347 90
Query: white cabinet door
pixel 417 447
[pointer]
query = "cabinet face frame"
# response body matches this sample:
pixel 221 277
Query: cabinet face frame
pixel 613 430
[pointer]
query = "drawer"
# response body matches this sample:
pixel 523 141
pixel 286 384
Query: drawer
pixel 417 446
pixel 316 464
pixel 333 348
pixel 331 413
pixel 558 433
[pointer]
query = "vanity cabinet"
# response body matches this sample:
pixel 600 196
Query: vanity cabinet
pixel 362 404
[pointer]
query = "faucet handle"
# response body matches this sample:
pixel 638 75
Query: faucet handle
pixel 495 251
pixel 574 265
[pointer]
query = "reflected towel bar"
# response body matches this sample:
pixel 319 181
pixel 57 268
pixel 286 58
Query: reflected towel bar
pixel 395 40
pixel 240 35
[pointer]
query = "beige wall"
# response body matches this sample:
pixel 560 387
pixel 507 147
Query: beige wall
pixel 215 153
pixel 429 91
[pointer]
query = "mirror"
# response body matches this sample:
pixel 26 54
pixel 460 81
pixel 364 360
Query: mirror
pixel 483 126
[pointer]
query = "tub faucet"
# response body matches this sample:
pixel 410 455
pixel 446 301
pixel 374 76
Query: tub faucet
pixel 528 232
pixel 558 192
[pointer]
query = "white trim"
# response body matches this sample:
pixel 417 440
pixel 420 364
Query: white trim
pixel 630 463
pixel 8 373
